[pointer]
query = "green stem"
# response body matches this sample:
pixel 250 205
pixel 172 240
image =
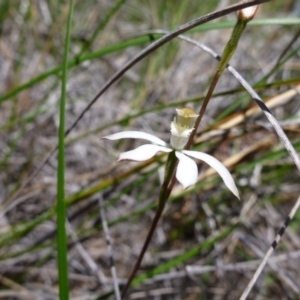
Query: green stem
pixel 227 54
pixel 61 205
pixel 231 45
pixel 163 197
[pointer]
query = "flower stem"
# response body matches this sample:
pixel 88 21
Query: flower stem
pixel 227 54
pixel 163 197
pixel 169 179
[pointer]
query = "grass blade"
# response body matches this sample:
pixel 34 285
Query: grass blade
pixel 61 205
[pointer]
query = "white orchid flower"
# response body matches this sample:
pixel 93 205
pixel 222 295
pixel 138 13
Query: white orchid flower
pixel 181 128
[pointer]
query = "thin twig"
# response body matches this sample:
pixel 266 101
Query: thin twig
pixel 109 248
pixel 270 251
pixel 86 257
pixel 248 265
pixel 284 277
pixel 284 52
pixel 30 178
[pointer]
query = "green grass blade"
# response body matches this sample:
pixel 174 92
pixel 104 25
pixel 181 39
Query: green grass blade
pixel 61 205
pixel 101 26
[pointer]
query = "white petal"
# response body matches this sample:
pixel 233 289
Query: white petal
pixel 143 152
pixel 178 142
pixel 187 171
pixel 136 135
pixel 218 166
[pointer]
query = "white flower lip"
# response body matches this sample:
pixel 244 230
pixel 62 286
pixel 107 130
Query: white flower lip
pixel 182 127
pixel 187 171
pixel 181 131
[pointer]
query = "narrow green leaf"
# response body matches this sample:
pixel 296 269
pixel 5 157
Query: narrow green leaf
pixel 61 205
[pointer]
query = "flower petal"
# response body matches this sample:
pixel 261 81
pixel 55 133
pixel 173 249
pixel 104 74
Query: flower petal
pixel 143 152
pixel 136 135
pixel 187 171
pixel 217 166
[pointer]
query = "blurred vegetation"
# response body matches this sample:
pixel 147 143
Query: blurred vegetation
pixel 204 226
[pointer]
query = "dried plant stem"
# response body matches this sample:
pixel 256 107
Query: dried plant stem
pixel 109 248
pixel 270 251
pixel 26 181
